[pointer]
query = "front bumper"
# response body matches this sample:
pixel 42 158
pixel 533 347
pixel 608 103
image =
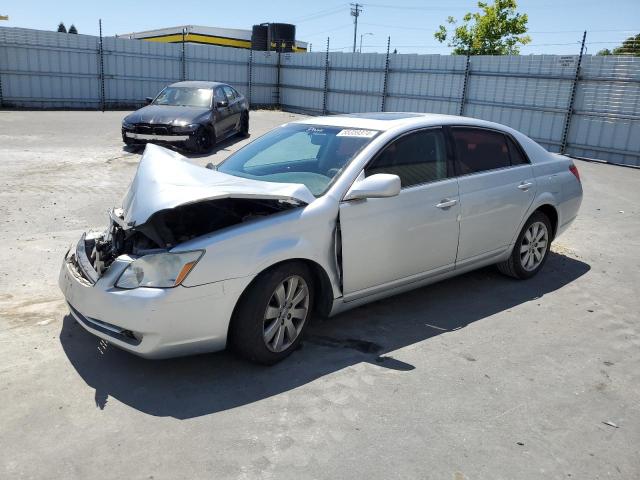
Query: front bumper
pixel 150 322
pixel 152 137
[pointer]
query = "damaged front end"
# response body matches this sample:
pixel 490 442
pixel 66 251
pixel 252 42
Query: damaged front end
pixel 171 201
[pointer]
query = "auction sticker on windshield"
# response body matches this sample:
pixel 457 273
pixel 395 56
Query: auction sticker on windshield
pixel 357 133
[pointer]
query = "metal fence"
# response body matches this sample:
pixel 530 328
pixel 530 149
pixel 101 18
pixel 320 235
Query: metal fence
pixel 585 106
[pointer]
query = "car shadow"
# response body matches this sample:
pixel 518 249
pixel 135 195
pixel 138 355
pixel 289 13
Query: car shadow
pixel 218 147
pixel 204 384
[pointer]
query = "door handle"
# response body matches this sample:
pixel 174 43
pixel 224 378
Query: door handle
pixel 446 203
pixel 525 186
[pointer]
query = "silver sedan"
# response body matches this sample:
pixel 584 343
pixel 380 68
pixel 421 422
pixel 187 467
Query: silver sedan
pixel 313 218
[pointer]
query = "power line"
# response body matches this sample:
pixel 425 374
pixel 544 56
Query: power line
pixel 319 14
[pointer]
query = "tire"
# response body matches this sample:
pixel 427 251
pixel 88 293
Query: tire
pixel 262 329
pixel 203 140
pixel 244 125
pixel 527 258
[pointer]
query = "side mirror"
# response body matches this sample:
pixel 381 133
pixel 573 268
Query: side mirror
pixel 148 100
pixel 222 103
pixel 380 185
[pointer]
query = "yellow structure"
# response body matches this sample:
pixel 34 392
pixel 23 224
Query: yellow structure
pixel 223 37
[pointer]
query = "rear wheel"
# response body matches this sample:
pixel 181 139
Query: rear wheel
pixel 531 249
pixel 271 315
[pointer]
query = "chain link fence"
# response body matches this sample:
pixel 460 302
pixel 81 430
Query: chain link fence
pixel 582 105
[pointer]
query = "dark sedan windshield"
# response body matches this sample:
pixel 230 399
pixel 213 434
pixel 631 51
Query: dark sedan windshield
pixel 184 96
pixel 309 154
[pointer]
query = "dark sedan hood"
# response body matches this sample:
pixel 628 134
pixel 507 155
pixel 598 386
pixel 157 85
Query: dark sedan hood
pixel 167 115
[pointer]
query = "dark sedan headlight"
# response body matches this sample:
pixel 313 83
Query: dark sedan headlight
pixel 127 125
pixel 192 127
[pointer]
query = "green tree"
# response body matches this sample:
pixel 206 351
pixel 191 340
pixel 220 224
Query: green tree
pixel 72 29
pixel 62 28
pixel 631 46
pixel 496 30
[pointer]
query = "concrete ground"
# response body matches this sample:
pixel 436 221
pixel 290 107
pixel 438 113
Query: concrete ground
pixel 478 377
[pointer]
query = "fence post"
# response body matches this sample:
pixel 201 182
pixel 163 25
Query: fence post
pixel 386 77
pixel 184 59
pixel 0 88
pixel 250 76
pixel 278 106
pixel 326 80
pixel 574 88
pixel 101 65
pixel 465 84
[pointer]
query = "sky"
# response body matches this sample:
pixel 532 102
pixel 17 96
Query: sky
pixel 554 26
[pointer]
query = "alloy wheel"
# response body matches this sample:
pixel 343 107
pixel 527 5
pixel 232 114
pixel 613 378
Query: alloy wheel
pixel 286 313
pixel 533 247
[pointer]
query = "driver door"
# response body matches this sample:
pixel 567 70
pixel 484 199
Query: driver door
pixel 390 241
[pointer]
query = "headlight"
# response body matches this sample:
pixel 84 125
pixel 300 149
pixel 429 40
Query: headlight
pixel 161 270
pixel 127 125
pixel 186 128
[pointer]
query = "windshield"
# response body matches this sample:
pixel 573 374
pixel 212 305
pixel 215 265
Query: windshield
pixel 309 154
pixel 184 96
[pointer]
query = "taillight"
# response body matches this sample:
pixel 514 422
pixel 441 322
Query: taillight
pixel 573 169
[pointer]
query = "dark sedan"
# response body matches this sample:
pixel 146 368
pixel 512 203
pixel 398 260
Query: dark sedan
pixel 191 115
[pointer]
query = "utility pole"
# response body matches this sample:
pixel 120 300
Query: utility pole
pixel 356 10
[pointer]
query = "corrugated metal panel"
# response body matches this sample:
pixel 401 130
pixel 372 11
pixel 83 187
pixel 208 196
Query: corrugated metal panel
pixel 265 75
pixel 48 69
pixel 355 82
pixel 218 64
pixel 425 83
pixel 606 123
pixel 302 81
pixel 530 93
pixel 134 70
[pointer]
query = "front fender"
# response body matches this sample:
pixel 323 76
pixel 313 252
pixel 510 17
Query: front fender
pixel 248 249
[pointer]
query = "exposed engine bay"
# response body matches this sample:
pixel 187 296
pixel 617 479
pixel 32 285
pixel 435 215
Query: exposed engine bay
pixel 167 228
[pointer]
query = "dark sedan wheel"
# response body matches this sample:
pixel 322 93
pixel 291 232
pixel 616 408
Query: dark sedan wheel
pixel 244 125
pixel 531 249
pixel 203 140
pixel 271 315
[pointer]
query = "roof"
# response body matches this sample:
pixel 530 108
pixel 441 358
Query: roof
pixel 387 120
pixel 197 84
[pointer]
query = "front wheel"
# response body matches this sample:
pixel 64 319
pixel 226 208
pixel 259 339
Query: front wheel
pixel 531 248
pixel 271 315
pixel 244 125
pixel 203 140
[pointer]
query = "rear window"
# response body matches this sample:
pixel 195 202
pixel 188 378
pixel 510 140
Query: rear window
pixel 480 150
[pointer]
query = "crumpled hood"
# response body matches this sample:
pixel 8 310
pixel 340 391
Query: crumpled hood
pixel 165 179
pixel 166 115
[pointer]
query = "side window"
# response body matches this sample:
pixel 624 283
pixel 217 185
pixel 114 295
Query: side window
pixel 230 93
pixel 219 95
pixel 515 151
pixel 416 158
pixel 478 150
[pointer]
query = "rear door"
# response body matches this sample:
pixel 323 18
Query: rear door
pixel 235 106
pixel 389 240
pixel 497 187
pixel 222 112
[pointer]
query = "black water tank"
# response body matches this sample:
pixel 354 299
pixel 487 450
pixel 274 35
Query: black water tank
pixel 260 37
pixel 283 35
